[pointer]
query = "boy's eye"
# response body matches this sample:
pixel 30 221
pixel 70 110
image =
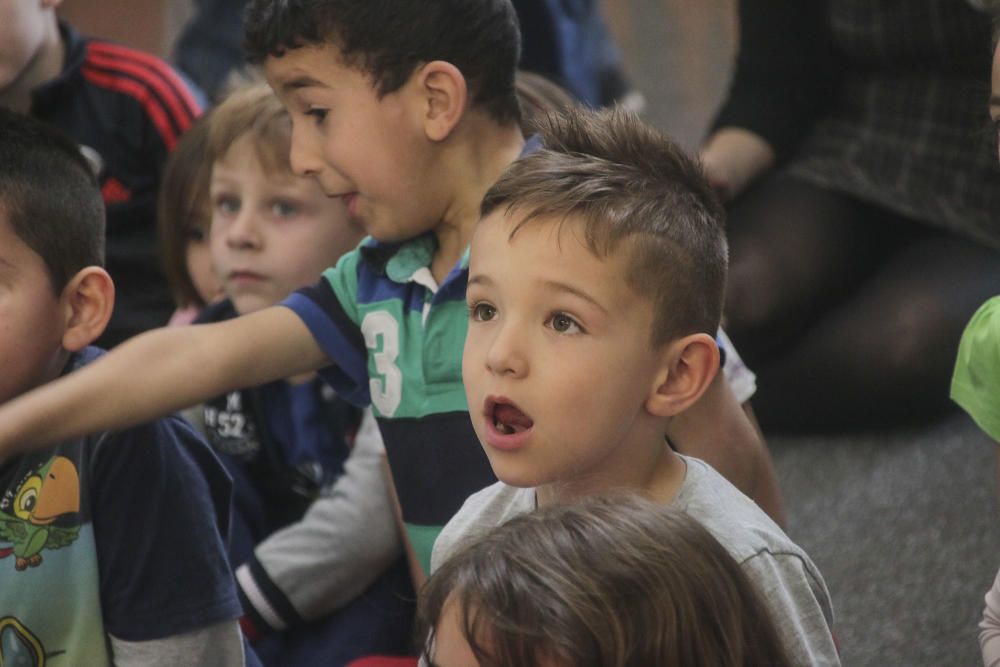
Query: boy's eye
pixel 318 114
pixel 563 323
pixel 283 209
pixel 482 312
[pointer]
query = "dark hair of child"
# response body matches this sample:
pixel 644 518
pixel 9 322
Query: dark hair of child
pixel 181 207
pixel 389 39
pixel 628 183
pixel 608 582
pixel 50 197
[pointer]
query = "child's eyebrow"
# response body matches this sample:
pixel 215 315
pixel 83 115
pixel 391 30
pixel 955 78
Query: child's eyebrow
pixel 302 81
pixel 564 287
pixel 553 285
pixel 478 279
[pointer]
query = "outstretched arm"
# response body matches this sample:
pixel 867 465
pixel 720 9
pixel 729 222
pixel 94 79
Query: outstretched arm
pixel 160 372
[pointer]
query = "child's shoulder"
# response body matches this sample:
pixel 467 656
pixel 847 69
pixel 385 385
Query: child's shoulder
pixel 156 86
pixel 975 384
pixel 735 520
pixel 985 321
pixel 481 512
pixel 134 93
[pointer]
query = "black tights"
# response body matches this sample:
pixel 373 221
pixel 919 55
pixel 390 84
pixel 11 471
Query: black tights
pixel 850 314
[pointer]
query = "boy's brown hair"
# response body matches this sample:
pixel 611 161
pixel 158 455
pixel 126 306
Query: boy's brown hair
pixel 253 109
pixel 605 582
pixel 627 183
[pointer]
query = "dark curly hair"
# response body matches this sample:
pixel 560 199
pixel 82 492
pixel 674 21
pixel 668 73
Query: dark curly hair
pixel 389 39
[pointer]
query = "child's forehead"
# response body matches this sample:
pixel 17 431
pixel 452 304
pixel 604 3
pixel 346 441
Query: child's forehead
pixel 250 153
pixel 313 66
pixel 10 240
pixel 16 254
pixel 557 231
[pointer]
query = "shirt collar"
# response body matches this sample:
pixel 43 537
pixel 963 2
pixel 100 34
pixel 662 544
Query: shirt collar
pixel 399 261
pixel 76 53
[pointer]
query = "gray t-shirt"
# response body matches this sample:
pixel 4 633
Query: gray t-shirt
pixel 788 580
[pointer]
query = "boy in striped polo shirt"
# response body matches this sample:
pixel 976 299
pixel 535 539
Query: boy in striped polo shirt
pixel 407 111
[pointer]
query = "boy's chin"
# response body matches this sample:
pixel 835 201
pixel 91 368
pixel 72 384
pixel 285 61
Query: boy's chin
pixel 244 305
pixel 520 476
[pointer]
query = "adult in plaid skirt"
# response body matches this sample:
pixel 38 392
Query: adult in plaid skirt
pixel 865 214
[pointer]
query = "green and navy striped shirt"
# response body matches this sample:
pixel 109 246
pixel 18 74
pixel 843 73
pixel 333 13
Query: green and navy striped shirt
pixel 396 341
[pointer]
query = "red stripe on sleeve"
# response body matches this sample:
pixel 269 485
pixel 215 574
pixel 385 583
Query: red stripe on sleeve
pixel 148 67
pixel 141 94
pixel 141 76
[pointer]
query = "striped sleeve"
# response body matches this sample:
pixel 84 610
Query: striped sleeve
pixel 168 101
pixel 329 310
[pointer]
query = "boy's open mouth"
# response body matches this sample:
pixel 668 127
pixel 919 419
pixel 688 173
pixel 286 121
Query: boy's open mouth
pixel 507 418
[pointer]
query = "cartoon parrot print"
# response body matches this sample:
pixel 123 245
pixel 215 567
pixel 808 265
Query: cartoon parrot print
pixel 53 491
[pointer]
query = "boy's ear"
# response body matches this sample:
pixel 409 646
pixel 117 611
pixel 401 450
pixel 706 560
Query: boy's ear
pixel 688 367
pixel 444 90
pixel 88 300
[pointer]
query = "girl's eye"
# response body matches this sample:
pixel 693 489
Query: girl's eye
pixel 227 205
pixel 196 235
pixel 283 209
pixel 995 123
pixel 482 312
pixel 563 323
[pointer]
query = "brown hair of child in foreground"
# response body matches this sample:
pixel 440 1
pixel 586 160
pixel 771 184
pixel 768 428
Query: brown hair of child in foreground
pixel 608 582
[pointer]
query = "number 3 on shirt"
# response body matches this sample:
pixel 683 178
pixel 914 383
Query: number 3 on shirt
pixel 386 390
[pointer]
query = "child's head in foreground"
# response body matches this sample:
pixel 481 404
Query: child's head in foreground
pixel 595 290
pixel 54 297
pixel 380 90
pixel 271 232
pixel 606 582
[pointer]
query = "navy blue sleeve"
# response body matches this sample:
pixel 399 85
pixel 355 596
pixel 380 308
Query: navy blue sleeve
pixel 320 309
pixel 161 510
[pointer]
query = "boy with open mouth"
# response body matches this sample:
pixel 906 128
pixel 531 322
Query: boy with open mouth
pixel 596 277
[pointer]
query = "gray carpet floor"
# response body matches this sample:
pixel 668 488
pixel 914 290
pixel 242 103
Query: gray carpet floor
pixel 903 525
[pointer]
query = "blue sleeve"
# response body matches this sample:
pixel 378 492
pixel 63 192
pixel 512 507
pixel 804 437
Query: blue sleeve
pixel 329 310
pixel 161 513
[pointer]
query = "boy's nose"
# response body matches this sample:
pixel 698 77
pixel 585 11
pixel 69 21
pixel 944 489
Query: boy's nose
pixel 243 232
pixel 306 151
pixel 505 355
